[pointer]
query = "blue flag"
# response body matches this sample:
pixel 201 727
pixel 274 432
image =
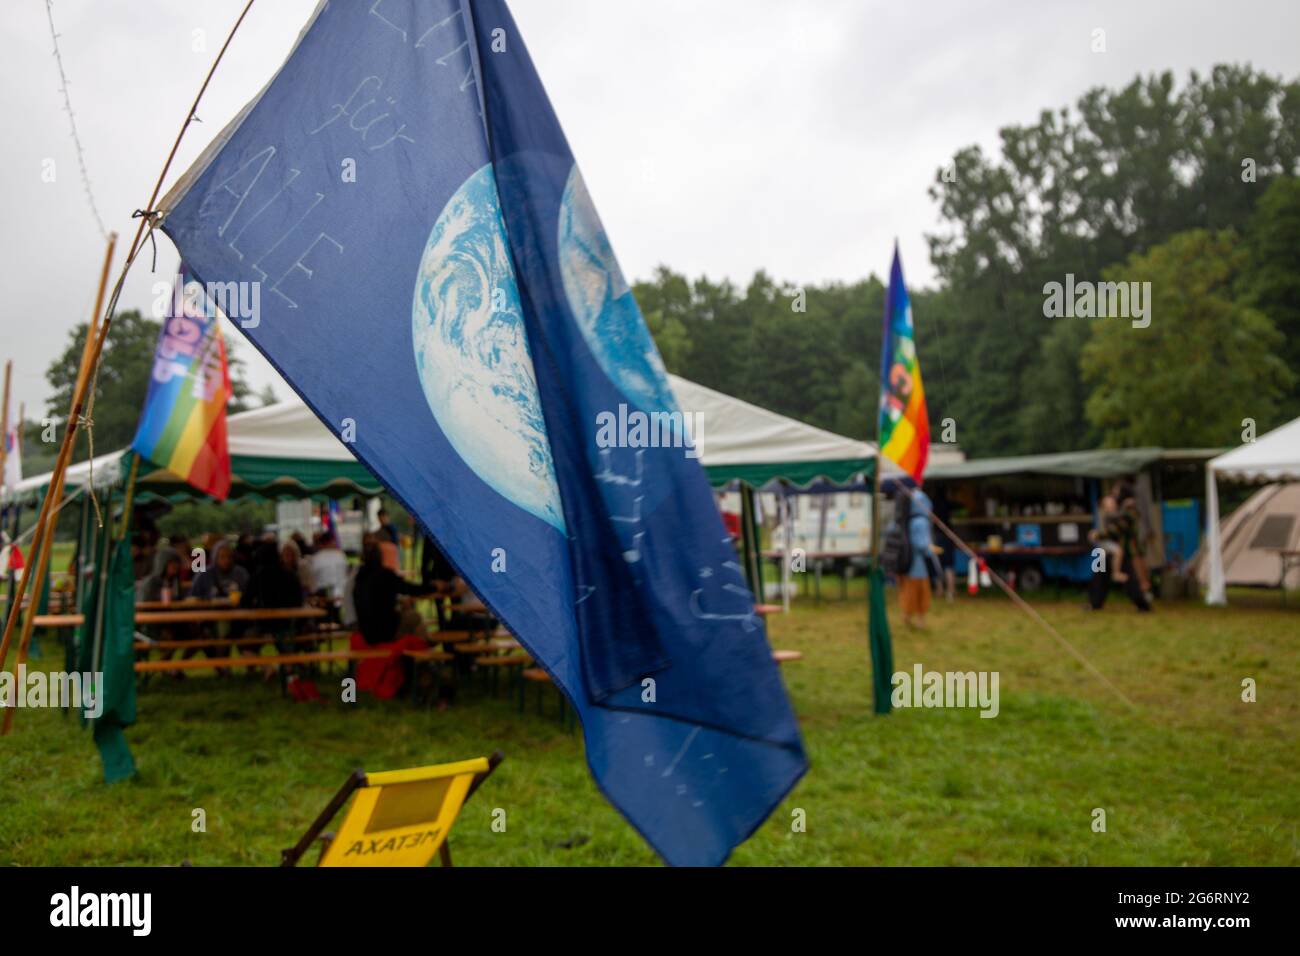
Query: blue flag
pixel 435 283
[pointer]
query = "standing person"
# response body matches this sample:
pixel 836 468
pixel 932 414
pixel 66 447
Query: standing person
pixel 1120 527
pixel 386 532
pixel 914 585
pixel 1108 536
pixel 1126 494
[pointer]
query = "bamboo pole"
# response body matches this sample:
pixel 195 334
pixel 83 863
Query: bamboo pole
pixel 147 219
pixel 48 522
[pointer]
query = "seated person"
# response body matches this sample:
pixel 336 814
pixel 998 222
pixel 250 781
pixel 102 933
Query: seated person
pixel 437 573
pixel 329 568
pixel 274 581
pixel 273 584
pixel 223 578
pixel 164 584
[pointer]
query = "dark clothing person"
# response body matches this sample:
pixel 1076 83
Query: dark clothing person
pixel 244 553
pixel 375 594
pixel 1099 587
pixel 271 584
pixel 1122 528
pixel 222 576
pixel 166 576
pixel 435 569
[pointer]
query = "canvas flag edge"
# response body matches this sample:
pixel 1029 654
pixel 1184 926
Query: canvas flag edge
pixel 194 172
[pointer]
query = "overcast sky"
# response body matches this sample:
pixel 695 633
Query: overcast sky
pixel 717 136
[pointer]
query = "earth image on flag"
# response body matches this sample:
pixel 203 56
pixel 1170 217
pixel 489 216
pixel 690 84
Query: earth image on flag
pixel 472 354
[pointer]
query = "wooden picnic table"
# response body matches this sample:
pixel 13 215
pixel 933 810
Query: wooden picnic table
pixel 196 617
pixel 186 604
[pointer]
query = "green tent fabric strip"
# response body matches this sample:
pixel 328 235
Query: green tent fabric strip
pixel 1100 463
pixel 267 477
pixel 798 473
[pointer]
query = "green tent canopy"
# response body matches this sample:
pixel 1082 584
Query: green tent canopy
pixel 283 450
pixel 1099 463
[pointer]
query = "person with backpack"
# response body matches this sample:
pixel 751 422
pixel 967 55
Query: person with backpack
pixel 910 549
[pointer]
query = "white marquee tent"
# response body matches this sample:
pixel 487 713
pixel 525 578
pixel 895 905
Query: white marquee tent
pixel 1274 457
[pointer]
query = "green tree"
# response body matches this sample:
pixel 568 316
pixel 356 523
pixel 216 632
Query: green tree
pixel 1206 362
pixel 1079 190
pixel 1272 280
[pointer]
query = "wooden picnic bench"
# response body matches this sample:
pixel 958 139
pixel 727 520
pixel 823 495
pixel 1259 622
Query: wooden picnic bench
pixel 279 661
pixel 210 642
pixel 258 660
pixel 430 657
pixel 195 616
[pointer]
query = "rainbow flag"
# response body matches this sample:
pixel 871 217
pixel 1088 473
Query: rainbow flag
pixel 183 425
pixel 904 429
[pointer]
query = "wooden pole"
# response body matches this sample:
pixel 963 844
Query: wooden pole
pixel 48 522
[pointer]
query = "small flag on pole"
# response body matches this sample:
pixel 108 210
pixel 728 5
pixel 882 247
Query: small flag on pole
pixel 183 425
pixel 904 424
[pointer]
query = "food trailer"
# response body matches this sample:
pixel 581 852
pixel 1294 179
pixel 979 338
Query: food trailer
pixel 1029 516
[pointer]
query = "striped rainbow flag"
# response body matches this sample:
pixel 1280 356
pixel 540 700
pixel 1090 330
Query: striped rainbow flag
pixel 904 428
pixel 183 425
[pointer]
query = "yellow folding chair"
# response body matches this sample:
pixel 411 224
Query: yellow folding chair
pixel 399 818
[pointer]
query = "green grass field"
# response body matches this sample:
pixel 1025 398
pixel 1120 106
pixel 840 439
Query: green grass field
pixel 1194 776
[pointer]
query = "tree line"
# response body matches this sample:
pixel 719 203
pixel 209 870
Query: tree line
pixel 1191 189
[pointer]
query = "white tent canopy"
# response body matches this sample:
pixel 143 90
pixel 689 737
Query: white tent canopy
pixel 284 447
pixel 1271 458
pixel 746 441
